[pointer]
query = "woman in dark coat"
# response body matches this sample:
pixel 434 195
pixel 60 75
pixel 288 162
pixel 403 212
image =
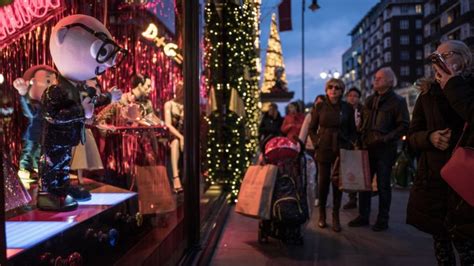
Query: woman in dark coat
pixel 271 123
pixel 433 132
pixel 332 127
pixel 458 86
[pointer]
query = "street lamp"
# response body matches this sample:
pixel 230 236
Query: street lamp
pixel 330 74
pixel 314 6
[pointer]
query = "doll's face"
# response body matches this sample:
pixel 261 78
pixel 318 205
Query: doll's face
pixel 40 82
pixel 82 48
pixel 145 88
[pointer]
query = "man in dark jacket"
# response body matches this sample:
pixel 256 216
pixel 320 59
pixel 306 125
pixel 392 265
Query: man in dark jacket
pixel 386 120
pixel 271 123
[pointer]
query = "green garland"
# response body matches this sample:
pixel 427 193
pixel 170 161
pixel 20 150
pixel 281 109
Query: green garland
pixel 5 2
pixel 231 60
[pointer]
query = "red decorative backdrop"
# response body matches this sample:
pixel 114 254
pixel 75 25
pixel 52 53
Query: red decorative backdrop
pixel 125 22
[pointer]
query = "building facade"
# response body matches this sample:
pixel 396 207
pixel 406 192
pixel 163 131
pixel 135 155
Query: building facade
pixel 391 34
pixel 447 20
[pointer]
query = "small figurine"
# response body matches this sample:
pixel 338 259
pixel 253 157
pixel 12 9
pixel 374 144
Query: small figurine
pixel 31 87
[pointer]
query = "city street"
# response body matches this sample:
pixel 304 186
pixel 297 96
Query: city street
pixel 400 245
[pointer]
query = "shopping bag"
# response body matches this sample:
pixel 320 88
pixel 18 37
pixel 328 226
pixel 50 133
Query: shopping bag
pixel 154 190
pixel 256 191
pixel 354 171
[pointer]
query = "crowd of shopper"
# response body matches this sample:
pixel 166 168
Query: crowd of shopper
pixel 442 113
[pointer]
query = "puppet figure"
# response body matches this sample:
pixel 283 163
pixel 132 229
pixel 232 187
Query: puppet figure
pixel 81 48
pixel 31 87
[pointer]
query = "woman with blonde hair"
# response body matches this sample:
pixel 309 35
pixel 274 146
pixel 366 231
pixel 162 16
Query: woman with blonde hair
pixel 332 127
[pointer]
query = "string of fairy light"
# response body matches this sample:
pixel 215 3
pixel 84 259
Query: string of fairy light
pixel 232 60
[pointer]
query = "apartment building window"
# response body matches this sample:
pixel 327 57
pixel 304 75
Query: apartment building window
pixel 419 71
pixel 419 55
pixel 388 57
pixel 386 27
pixel 453 14
pixel 404 71
pixel 419 39
pixel 404 9
pixel 404 40
pixel 404 24
pixel 427 30
pixel 404 55
pixel 435 27
pixel 419 9
pixel 456 35
pixel 418 23
pixel 387 42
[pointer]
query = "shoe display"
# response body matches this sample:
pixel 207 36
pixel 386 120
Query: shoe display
pixel 79 193
pixel 177 185
pixel 62 202
pixel 358 222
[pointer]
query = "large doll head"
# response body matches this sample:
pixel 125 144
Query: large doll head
pixel 39 79
pixel 82 48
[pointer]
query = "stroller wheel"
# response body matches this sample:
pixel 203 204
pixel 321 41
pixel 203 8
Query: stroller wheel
pixel 262 238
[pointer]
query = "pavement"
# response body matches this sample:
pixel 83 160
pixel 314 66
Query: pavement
pixel 401 244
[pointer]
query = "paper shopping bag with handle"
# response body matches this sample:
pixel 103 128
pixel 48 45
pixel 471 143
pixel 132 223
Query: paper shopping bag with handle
pixel 256 191
pixel 354 172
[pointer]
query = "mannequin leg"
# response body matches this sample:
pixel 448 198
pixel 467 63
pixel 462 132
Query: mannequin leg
pixel 174 165
pixel 79 176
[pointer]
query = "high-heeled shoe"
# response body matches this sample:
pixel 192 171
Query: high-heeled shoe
pixel 177 185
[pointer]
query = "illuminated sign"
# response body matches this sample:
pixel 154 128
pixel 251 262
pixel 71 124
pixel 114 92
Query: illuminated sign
pixel 20 15
pixel 170 49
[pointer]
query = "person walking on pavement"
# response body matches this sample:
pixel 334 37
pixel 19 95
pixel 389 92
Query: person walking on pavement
pixel 332 127
pixel 353 98
pixel 386 120
pixel 293 121
pixel 303 136
pixel 271 123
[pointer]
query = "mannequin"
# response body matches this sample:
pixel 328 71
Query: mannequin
pixel 86 156
pixel 174 120
pixel 134 107
pixel 31 87
pixel 81 48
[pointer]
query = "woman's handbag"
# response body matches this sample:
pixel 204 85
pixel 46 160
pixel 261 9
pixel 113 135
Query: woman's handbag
pixel 458 172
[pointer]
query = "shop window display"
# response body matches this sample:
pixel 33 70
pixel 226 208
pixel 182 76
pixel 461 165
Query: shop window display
pixel 115 118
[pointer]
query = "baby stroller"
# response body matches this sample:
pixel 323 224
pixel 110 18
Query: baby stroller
pixel 289 207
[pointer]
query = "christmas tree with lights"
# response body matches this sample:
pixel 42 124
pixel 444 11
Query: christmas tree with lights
pixel 274 59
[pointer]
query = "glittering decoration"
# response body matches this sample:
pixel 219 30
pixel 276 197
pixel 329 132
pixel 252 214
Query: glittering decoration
pixel 232 63
pixel 274 58
pixel 21 16
pixel 125 23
